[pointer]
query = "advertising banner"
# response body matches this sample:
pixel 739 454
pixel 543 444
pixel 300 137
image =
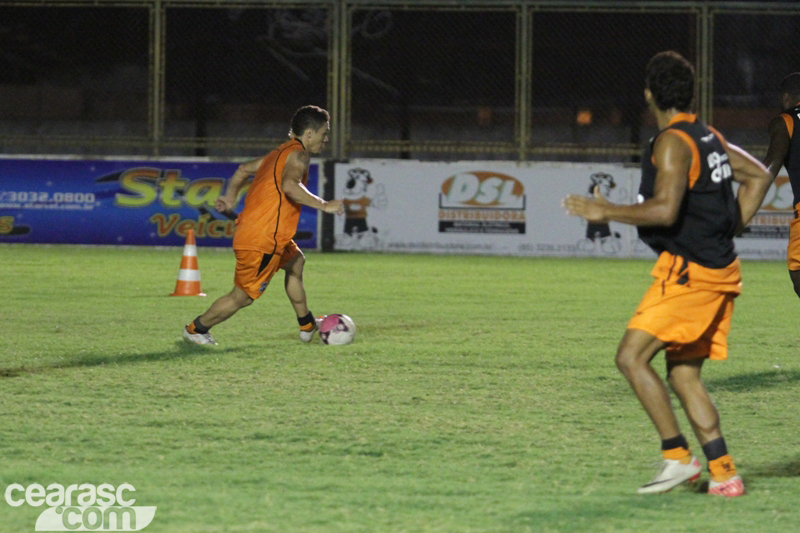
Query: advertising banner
pixel 506 208
pixel 478 207
pixel 130 202
pixel 767 235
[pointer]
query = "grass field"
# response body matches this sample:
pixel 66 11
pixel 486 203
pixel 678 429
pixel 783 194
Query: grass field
pixel 480 395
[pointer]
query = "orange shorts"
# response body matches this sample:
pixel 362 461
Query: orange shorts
pixel 793 253
pixel 254 269
pixel 693 321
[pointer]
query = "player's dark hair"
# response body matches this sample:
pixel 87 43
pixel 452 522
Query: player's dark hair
pixel 308 117
pixel 670 77
pixel 791 85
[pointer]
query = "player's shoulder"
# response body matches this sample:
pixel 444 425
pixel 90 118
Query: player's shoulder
pixel 781 125
pixel 299 160
pixel 780 118
pixel 783 118
pixel 673 137
pixel 300 156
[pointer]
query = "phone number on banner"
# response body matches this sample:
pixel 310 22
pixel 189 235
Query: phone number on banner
pixel 57 197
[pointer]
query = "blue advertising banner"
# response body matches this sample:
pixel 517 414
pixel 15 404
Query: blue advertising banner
pixel 130 202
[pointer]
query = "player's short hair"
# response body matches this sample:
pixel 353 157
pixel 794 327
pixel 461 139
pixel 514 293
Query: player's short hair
pixel 670 78
pixel 308 117
pixel 791 85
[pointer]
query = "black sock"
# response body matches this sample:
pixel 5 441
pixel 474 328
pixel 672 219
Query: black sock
pixel 714 449
pixel 675 442
pixel 305 320
pixel 199 327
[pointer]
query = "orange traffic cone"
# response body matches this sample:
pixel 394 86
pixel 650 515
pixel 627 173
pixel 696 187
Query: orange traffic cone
pixel 189 275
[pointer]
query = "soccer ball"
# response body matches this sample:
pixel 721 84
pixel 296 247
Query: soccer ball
pixel 337 329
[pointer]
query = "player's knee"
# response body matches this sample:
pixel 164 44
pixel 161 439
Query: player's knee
pixel 631 359
pixel 296 267
pixel 673 380
pixel 676 381
pixel 626 360
pixel 684 376
pixel 240 298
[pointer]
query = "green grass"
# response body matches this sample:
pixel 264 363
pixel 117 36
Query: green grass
pixel 480 395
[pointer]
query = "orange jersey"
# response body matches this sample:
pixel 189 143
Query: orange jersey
pixel 269 218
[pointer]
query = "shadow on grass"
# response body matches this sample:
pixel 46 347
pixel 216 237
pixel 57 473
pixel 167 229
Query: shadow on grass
pixel 609 513
pixel 753 474
pixel 782 468
pixel 182 350
pixel 777 469
pixel 746 382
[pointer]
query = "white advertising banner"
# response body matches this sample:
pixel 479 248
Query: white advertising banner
pixel 501 208
pixel 767 235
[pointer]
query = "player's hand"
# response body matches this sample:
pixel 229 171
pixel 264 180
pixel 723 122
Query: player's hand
pixel 223 204
pixel 592 209
pixel 334 206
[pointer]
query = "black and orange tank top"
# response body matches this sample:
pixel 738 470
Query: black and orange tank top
pixel 704 230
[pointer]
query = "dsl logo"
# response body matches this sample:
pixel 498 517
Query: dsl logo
pixel 779 196
pixel 482 189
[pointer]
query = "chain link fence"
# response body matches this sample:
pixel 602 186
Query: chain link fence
pixel 422 79
pixel 752 52
pixel 237 75
pixel 74 79
pixel 428 83
pixel 588 77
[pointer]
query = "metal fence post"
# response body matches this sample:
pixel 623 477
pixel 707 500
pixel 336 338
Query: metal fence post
pixel 337 50
pixel 523 89
pixel 156 96
pixel 705 69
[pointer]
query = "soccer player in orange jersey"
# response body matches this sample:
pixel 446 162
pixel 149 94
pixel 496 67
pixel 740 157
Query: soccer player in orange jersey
pixel 263 241
pixel 688 214
pixel 784 151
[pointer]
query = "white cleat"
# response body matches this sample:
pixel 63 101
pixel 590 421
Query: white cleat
pixel 306 336
pixel 198 338
pixel 729 488
pixel 672 474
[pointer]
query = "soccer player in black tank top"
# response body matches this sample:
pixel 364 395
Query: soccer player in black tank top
pixel 784 151
pixel 686 204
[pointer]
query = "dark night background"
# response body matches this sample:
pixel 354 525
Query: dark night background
pixel 252 65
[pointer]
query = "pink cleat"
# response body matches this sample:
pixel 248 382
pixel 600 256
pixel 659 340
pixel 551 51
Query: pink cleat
pixel 729 488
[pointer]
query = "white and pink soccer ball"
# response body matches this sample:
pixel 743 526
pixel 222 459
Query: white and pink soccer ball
pixel 337 330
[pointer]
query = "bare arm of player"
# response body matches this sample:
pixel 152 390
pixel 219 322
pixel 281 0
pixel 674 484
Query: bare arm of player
pixel 292 184
pixel 227 201
pixel 673 159
pixel 778 145
pixel 754 180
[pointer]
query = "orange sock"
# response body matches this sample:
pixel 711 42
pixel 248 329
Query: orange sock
pixel 190 328
pixel 680 454
pixel 307 327
pixel 722 469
